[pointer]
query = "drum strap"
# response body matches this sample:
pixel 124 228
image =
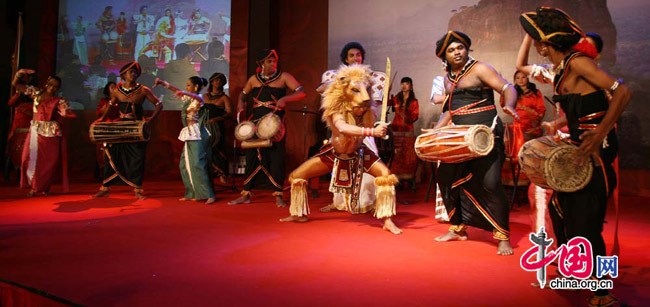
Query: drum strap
pixel 465 110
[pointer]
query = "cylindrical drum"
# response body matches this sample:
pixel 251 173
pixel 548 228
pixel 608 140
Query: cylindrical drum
pixel 455 144
pixel 551 163
pixel 119 132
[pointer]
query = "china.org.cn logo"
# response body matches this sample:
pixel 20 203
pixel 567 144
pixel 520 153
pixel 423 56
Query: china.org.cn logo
pixel 575 263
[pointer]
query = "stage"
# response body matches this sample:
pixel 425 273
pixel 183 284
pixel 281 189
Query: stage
pixel 161 251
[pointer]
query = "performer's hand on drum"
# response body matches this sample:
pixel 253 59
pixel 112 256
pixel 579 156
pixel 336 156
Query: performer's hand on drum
pixel 279 104
pixel 591 142
pixel 511 112
pixel 548 127
pixel 240 107
pixel 380 131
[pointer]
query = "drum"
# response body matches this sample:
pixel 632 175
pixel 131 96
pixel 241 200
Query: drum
pixel 110 37
pixel 270 127
pixel 245 130
pixel 550 163
pixel 455 144
pixel 119 132
pixel 513 139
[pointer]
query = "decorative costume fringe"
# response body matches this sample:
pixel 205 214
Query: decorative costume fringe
pixel 299 205
pixel 385 196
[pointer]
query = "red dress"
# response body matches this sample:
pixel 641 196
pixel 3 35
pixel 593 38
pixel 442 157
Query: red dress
pixel 44 152
pixel 404 118
pixel 405 162
pixel 531 111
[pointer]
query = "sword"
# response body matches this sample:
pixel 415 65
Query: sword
pixel 384 102
pixel 540 240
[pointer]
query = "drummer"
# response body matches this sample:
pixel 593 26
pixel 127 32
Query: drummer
pixel 580 88
pixel 126 160
pixel 472 190
pixel 268 91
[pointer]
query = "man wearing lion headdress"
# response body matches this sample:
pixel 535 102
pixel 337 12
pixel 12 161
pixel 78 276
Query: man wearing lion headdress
pixel 346 111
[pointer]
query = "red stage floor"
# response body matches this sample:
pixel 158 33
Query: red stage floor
pixel 160 251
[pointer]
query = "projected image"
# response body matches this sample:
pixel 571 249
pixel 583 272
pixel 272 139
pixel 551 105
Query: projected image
pixel 172 40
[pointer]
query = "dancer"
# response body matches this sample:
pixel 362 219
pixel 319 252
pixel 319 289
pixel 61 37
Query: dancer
pixel 219 109
pixel 346 112
pixel 196 151
pixel 22 106
pixel 354 53
pixel 580 88
pixel 472 190
pixel 267 88
pixel 45 151
pixel 127 160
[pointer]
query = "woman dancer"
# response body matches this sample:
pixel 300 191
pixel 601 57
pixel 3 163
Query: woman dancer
pixel 194 158
pixel 219 109
pixel 45 148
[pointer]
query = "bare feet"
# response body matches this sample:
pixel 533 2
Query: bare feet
pixel 453 236
pixel 210 201
pixel 279 202
pixel 101 193
pixel 184 199
pixel 328 208
pixel 223 180
pixel 31 193
pixel 244 199
pixel 390 226
pixel 293 218
pixel 504 248
pixel 139 196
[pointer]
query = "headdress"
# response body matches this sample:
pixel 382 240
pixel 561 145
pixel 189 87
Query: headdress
pixel 450 37
pixel 129 66
pixel 551 26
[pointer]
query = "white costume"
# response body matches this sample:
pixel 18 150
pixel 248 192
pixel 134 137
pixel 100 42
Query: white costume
pixel 144 27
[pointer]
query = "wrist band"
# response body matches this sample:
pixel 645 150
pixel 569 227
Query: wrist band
pixel 616 84
pixel 505 86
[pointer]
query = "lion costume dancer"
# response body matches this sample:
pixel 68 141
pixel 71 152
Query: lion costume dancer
pixel 346 110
